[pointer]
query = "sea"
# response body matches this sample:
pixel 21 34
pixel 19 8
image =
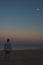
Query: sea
pixel 23 45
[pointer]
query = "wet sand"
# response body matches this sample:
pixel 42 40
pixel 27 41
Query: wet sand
pixel 22 57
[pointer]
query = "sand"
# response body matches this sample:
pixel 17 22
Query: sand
pixel 22 57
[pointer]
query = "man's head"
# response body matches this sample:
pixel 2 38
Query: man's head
pixel 8 40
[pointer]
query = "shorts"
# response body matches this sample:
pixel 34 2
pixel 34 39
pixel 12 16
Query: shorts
pixel 7 52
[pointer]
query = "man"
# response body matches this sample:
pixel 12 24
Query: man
pixel 7 48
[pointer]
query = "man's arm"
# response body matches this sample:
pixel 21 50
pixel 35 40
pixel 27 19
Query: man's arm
pixel 10 47
pixel 4 47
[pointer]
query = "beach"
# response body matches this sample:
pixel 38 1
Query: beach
pixel 23 57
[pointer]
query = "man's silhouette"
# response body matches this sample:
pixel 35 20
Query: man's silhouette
pixel 7 48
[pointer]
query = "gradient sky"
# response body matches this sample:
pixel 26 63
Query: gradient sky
pixel 21 20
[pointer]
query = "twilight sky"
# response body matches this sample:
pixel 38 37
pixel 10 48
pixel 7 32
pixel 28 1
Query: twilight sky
pixel 21 20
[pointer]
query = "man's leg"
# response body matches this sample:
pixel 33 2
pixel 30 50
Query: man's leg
pixel 8 55
pixel 5 57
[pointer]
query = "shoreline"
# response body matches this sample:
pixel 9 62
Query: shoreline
pixel 24 49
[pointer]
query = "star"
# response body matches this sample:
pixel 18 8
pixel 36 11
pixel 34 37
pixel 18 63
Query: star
pixel 38 9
